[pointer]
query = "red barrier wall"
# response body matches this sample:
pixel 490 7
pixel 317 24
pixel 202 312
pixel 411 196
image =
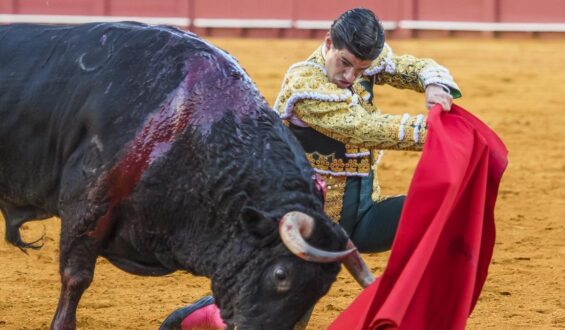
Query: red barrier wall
pixel 149 8
pixel 450 10
pixel 58 7
pixel 250 9
pixel 532 11
pixel 247 17
pixel 330 9
pixel 160 8
pixel 308 18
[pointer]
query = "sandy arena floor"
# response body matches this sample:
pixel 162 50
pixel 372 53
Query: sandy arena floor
pixel 516 86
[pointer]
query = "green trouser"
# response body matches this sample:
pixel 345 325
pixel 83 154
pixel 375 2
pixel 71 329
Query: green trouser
pixel 370 225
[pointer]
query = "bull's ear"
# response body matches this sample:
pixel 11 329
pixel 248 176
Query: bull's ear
pixel 257 223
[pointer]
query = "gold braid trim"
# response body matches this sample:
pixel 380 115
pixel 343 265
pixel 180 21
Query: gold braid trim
pixel 329 163
pixel 376 195
pixel 383 63
pixel 334 196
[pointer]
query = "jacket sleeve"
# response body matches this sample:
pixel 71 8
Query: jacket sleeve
pixel 407 71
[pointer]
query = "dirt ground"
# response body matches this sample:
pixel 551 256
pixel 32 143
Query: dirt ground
pixel 516 86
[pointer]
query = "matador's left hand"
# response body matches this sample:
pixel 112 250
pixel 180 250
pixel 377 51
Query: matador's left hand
pixel 436 94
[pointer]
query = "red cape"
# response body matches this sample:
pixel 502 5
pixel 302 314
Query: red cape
pixel 440 257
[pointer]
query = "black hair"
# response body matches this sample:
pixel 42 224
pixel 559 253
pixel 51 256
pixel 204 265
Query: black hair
pixel 360 32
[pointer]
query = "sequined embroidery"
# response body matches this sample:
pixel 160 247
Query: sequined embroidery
pixel 334 196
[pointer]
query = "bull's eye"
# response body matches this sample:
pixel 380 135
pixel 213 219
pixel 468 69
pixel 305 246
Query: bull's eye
pixel 280 274
pixel 281 279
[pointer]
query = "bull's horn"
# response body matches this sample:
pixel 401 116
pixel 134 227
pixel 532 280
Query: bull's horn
pixel 357 267
pixel 294 227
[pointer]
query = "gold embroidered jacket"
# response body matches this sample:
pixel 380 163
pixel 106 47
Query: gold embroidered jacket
pixel 316 109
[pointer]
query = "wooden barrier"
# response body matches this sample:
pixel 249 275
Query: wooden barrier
pixel 305 18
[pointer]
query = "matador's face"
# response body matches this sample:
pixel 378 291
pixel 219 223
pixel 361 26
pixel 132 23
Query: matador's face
pixel 342 67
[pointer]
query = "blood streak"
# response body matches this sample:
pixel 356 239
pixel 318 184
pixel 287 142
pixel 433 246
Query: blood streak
pixel 153 141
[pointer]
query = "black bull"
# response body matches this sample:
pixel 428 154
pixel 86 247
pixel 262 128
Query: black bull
pixel 157 152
